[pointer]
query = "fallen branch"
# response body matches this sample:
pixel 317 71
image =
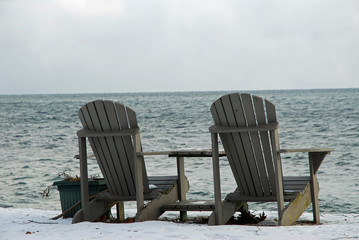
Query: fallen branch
pixel 33 221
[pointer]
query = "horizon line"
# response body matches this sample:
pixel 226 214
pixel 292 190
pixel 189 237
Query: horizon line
pixel 190 91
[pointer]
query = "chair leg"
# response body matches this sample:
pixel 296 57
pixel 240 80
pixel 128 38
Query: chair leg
pixel 96 209
pixel 182 182
pixel 315 159
pixel 315 202
pixel 153 209
pixel 228 210
pixel 120 209
pixel 295 208
pixel 217 214
pixel 183 216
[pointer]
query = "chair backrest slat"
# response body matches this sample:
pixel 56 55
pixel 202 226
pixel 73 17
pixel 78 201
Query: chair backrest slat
pixel 243 105
pixel 124 173
pixel 261 115
pixel 255 140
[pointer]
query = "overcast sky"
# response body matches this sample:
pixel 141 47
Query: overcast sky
pixel 86 46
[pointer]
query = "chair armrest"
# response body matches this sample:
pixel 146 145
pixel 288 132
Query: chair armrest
pixel 316 156
pixel 77 156
pixel 308 150
pixel 195 153
pixel 183 153
pixel 158 153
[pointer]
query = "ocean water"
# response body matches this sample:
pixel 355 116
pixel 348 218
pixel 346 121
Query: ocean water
pixel 38 141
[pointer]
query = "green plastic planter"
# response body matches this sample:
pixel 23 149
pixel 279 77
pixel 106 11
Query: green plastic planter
pixel 70 193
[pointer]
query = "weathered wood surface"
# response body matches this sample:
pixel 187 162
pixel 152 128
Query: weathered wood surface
pixel 248 128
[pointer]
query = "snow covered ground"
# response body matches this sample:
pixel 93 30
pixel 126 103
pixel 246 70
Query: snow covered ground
pixel 20 224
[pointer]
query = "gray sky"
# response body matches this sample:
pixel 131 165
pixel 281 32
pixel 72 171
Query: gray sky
pixel 73 46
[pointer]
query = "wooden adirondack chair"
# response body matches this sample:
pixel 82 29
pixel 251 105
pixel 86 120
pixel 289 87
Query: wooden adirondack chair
pixel 247 126
pixel 114 136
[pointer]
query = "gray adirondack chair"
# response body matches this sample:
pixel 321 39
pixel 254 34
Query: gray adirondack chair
pixel 114 136
pixel 247 126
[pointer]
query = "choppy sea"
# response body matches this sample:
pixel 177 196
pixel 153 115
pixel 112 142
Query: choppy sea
pixel 38 141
